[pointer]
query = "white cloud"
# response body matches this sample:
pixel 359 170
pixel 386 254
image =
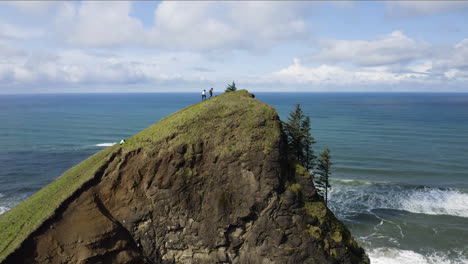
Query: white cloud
pixel 99 24
pixel 400 9
pixel 455 57
pixel 451 73
pixel 8 31
pixel 32 7
pixel 227 25
pixel 452 63
pixel 76 67
pixel 204 26
pixel 267 23
pixel 423 67
pixel 211 26
pixel 397 57
pixel 393 48
pixel 391 59
pixel 334 75
pixel 193 25
pixel 7 51
pixel 108 44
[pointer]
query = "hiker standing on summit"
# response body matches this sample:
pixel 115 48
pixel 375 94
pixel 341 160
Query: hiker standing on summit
pixel 211 92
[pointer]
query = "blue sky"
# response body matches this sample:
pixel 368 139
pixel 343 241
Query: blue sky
pixel 103 46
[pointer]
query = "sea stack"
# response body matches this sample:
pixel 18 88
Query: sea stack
pixel 211 183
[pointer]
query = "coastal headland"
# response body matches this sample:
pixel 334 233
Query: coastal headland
pixel 211 183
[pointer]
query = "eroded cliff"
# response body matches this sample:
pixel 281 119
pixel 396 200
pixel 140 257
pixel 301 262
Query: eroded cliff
pixel 208 184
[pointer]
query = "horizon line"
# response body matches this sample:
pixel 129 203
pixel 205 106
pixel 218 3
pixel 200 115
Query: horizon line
pixel 279 92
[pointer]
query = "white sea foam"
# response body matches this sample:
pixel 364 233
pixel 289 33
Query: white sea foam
pixel 399 256
pixel 352 181
pixel 3 209
pixel 437 202
pixel 105 144
pixel 346 195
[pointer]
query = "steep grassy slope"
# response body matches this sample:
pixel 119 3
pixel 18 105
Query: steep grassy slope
pixel 18 223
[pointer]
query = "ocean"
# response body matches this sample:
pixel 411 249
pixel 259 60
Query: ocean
pixel 400 160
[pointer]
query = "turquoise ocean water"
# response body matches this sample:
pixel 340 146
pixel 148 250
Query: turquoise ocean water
pixel 400 178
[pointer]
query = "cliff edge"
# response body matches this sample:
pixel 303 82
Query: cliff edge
pixel 208 184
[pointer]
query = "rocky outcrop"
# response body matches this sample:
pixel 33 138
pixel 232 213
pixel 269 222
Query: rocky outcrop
pixel 209 184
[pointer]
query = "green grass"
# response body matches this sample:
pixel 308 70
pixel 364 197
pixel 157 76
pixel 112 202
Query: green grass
pixel 208 120
pixel 204 121
pixel 296 187
pixel 300 170
pixel 317 209
pixel 18 223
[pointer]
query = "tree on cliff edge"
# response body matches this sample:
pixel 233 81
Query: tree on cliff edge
pixel 300 140
pixel 309 157
pixel 231 87
pixel 323 170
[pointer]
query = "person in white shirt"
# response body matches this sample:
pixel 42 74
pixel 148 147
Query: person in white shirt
pixel 203 95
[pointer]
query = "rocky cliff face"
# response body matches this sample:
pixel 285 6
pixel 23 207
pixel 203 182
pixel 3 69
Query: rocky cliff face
pixel 209 184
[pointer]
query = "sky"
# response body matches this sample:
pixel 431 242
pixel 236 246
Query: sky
pixel 188 46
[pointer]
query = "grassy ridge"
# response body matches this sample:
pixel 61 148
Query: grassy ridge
pixel 185 126
pixel 18 223
pixel 189 125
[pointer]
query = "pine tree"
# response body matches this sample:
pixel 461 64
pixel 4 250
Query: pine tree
pixel 300 139
pixel 231 87
pixel 294 132
pixel 309 157
pixel 323 170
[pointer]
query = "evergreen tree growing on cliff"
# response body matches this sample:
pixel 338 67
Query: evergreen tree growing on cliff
pixel 323 170
pixel 294 133
pixel 300 139
pixel 231 87
pixel 309 157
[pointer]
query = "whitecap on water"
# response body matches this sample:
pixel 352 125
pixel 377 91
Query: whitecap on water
pixel 437 202
pixel 3 209
pixel 350 181
pixel 366 196
pixel 105 144
pixel 399 256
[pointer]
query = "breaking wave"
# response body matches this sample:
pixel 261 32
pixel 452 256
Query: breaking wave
pixel 399 256
pixel 437 202
pixel 105 144
pixel 3 209
pixel 365 196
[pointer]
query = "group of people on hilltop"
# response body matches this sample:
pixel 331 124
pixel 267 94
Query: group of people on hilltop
pixel 203 94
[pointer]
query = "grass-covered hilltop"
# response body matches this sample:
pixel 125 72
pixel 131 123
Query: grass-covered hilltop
pixel 211 183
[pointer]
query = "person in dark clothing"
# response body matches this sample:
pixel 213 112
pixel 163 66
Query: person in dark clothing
pixel 211 92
